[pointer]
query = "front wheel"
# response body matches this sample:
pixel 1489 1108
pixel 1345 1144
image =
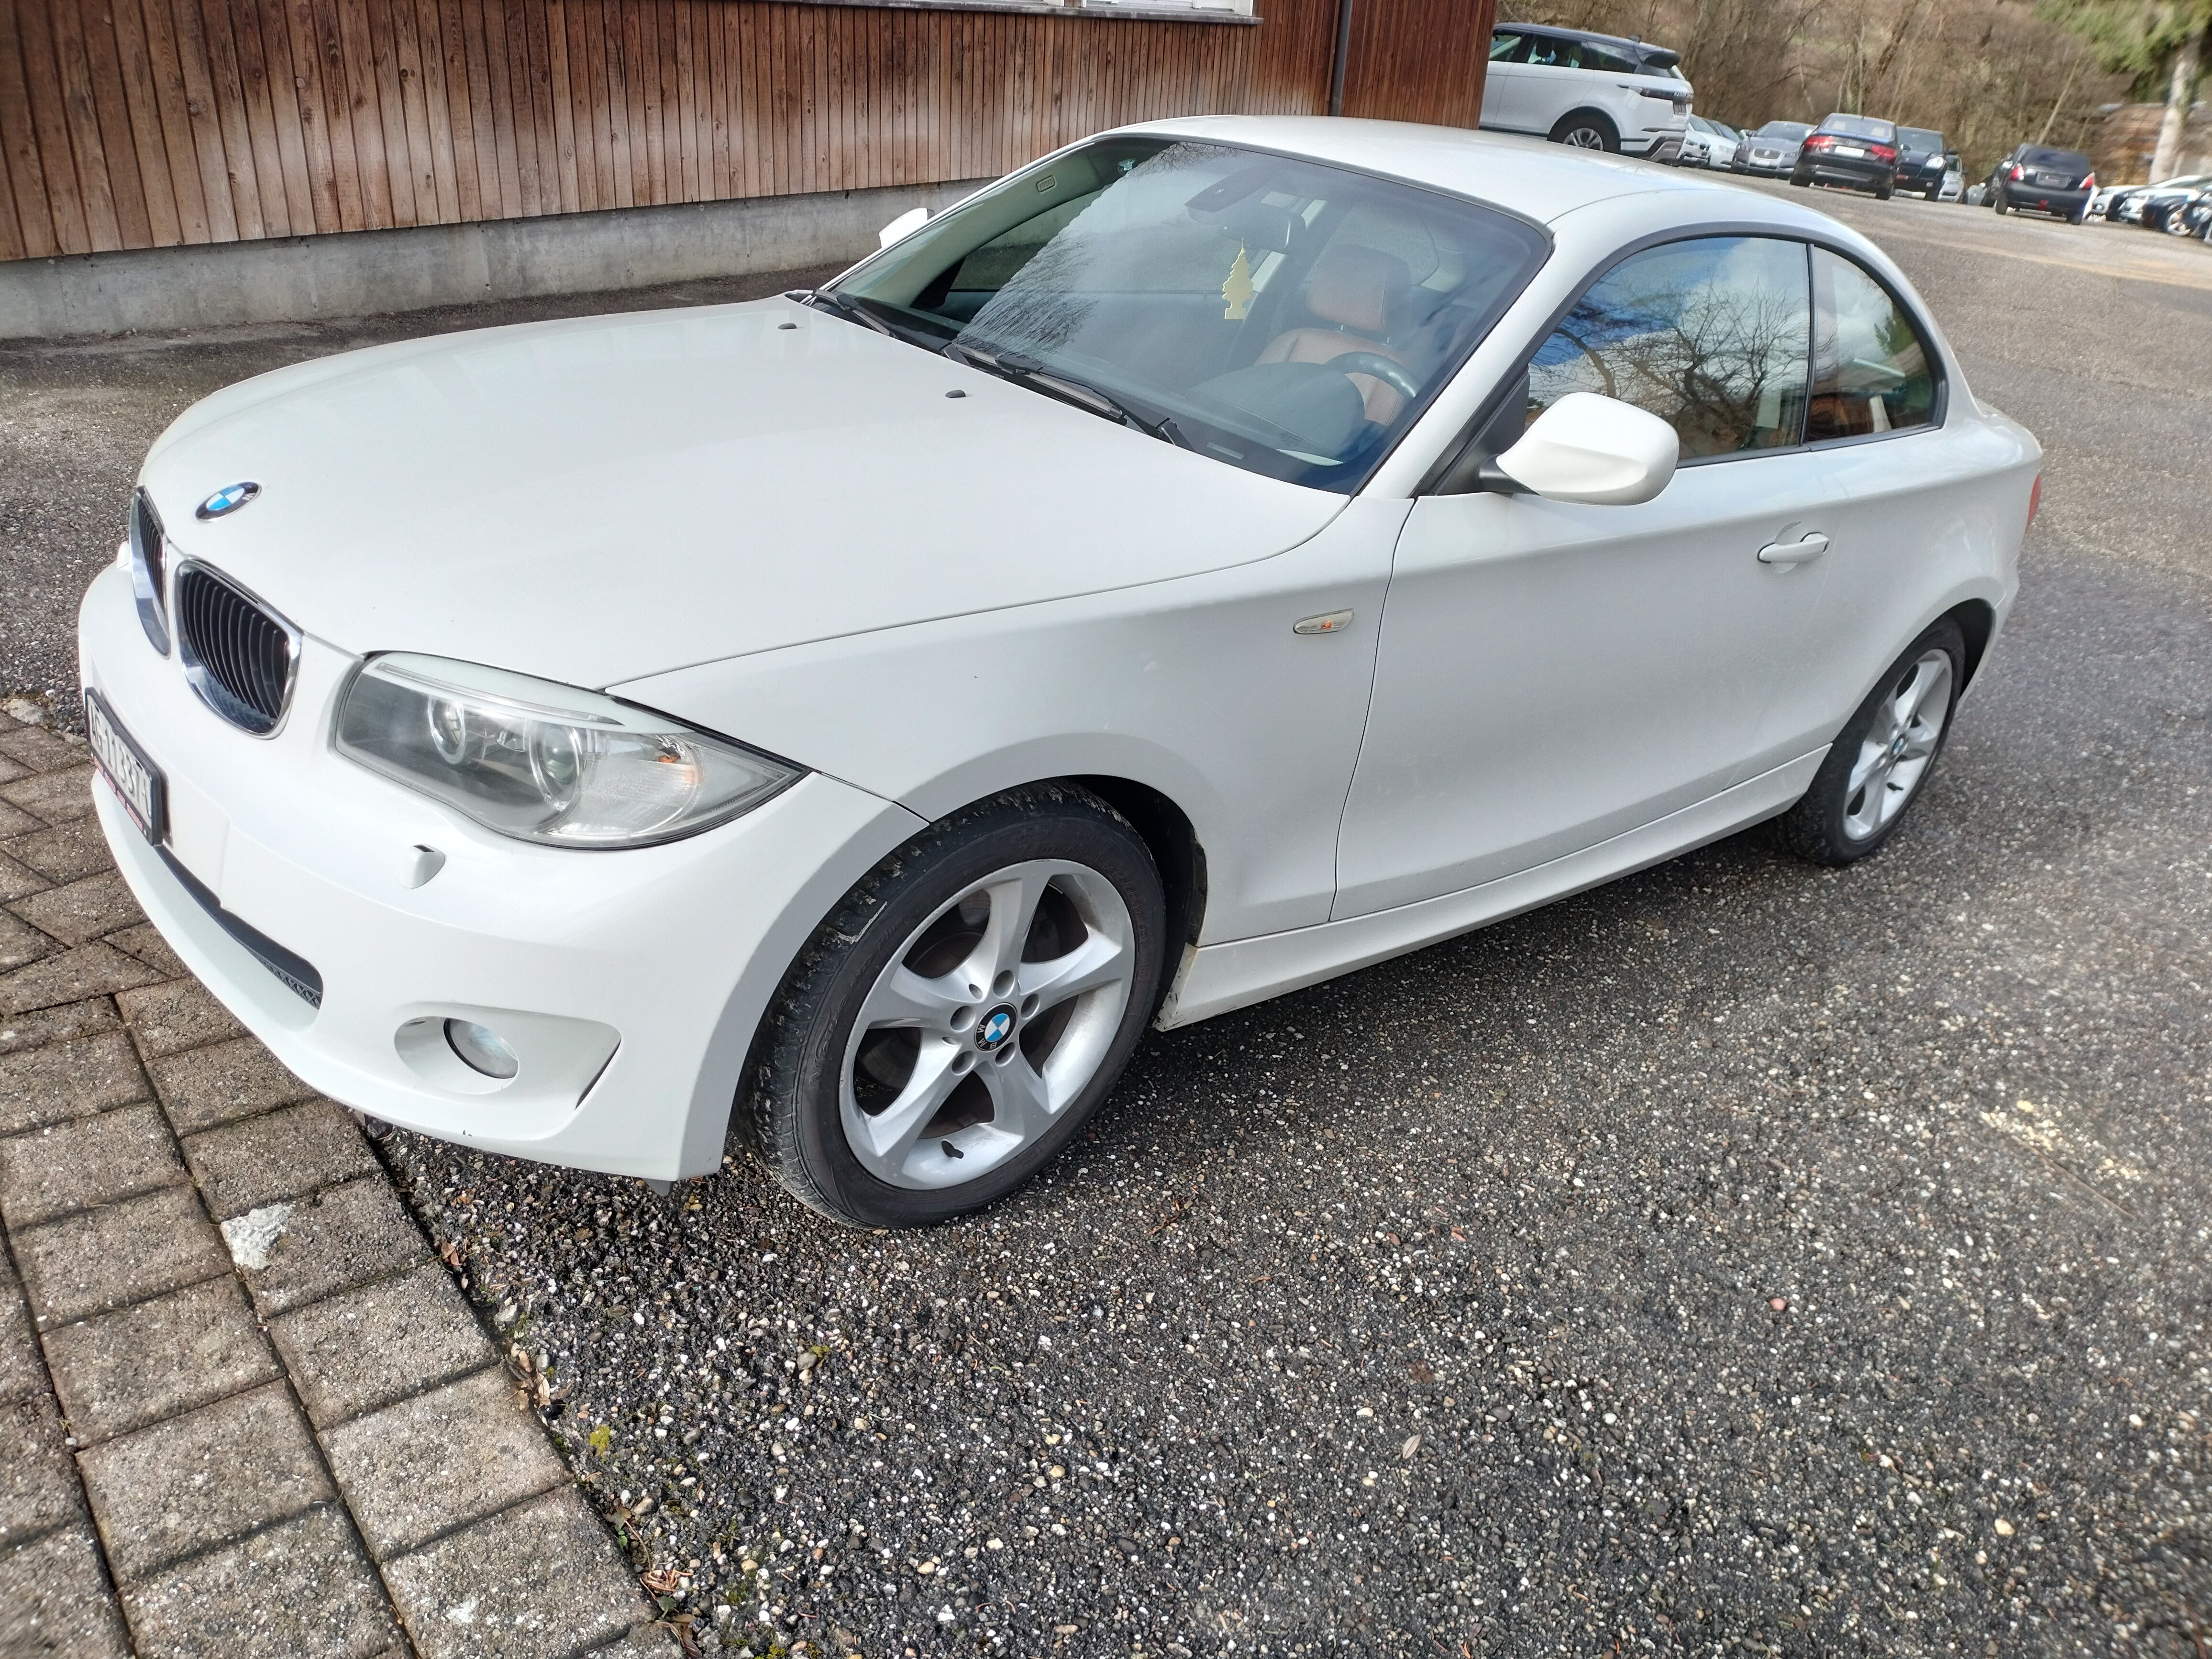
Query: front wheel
pixel 966 1006
pixel 1998 203
pixel 2175 223
pixel 1884 754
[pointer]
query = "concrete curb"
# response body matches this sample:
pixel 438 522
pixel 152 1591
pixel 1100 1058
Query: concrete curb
pixel 251 1413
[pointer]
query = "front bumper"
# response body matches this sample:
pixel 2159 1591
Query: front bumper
pixel 629 983
pixel 1772 167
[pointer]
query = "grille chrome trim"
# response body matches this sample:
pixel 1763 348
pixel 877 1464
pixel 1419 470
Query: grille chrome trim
pixel 149 557
pixel 239 654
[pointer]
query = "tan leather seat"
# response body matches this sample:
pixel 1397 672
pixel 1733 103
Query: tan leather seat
pixel 1365 293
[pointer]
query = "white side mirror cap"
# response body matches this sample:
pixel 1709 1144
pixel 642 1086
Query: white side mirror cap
pixel 1595 450
pixel 905 225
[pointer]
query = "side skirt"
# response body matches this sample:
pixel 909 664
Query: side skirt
pixel 1218 978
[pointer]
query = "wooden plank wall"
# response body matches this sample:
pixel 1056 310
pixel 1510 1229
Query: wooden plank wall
pixel 129 123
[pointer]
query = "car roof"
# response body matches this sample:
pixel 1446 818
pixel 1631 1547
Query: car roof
pixel 1558 31
pixel 1529 177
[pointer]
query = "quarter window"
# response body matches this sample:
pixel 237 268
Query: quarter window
pixel 1711 335
pixel 1872 372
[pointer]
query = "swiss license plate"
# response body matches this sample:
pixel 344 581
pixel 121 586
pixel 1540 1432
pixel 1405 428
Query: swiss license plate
pixel 2047 179
pixel 1849 149
pixel 136 779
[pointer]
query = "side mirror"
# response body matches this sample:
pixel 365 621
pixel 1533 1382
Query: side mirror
pixel 905 225
pixel 1594 450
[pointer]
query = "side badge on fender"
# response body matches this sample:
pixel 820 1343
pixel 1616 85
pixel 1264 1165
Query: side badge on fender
pixel 228 499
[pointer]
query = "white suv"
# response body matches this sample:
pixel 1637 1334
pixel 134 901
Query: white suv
pixel 1596 91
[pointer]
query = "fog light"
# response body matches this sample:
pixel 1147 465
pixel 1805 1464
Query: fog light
pixel 480 1048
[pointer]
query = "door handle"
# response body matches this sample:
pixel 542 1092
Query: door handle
pixel 1797 552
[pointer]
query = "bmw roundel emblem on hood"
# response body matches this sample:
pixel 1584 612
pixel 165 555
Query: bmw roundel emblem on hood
pixel 228 499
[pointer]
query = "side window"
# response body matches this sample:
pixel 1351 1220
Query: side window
pixel 1505 46
pixel 1871 370
pixel 1552 53
pixel 1711 336
pixel 1596 57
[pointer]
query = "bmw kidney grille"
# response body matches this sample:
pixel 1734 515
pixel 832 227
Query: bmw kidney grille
pixel 239 655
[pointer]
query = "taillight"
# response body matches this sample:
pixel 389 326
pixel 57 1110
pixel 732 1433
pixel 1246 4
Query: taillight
pixel 1818 141
pixel 2018 171
pixel 2089 183
pixel 2035 498
pixel 1881 152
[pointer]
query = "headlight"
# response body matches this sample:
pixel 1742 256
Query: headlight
pixel 542 762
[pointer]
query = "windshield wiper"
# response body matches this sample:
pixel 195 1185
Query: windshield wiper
pixel 1015 364
pixel 833 300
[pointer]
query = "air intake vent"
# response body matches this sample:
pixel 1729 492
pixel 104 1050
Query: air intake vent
pixel 239 654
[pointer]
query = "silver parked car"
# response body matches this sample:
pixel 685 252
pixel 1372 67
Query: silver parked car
pixel 1772 151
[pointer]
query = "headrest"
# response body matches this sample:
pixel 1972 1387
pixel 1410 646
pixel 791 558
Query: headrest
pixel 1360 288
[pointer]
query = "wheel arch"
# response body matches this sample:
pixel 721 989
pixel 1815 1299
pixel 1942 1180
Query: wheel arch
pixel 1177 851
pixel 1977 620
pixel 1589 112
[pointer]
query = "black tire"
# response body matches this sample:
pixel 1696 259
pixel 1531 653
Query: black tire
pixel 1816 827
pixel 791 1102
pixel 1800 179
pixel 1933 193
pixel 1998 203
pixel 1883 193
pixel 1579 128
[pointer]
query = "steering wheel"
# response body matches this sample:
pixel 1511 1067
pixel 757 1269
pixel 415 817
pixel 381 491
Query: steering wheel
pixel 1377 366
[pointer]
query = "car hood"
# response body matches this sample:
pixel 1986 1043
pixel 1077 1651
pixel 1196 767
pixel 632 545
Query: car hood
pixel 596 499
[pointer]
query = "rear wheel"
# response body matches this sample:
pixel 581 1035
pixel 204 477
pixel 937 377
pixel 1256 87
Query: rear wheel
pixel 966 1005
pixel 2174 222
pixel 1884 754
pixel 1883 193
pixel 1997 202
pixel 1586 129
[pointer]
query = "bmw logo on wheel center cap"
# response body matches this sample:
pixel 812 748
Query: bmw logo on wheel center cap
pixel 228 499
pixel 998 1025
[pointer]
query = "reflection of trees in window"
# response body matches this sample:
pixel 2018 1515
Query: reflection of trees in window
pixel 1719 358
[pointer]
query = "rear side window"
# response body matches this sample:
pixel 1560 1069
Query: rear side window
pixel 1872 372
pixel 1550 51
pixel 1609 59
pixel 1711 335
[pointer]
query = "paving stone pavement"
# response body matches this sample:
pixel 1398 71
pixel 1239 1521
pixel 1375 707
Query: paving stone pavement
pixel 244 1411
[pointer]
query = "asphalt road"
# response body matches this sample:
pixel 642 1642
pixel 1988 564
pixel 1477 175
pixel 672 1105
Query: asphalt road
pixel 1742 1257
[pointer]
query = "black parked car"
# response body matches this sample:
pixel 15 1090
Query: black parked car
pixel 2165 206
pixel 1858 150
pixel 2196 218
pixel 2059 182
pixel 1921 160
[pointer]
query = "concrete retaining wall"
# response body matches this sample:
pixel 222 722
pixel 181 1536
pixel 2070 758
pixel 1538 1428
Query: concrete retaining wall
pixel 369 272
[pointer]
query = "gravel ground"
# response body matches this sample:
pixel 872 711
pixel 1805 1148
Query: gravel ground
pixel 1743 1257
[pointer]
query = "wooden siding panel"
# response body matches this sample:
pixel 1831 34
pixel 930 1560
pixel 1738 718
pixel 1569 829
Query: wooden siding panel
pixel 148 123
pixel 95 189
pixel 25 163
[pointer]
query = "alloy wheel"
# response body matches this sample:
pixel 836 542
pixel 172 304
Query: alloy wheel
pixel 1894 755
pixel 994 1016
pixel 1582 138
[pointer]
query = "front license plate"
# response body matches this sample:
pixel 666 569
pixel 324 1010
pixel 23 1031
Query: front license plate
pixel 137 781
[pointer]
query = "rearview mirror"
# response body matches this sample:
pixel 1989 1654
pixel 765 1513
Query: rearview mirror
pixel 905 225
pixel 1594 450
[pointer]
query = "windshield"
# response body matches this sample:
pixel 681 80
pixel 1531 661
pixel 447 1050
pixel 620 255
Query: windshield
pixel 1920 139
pixel 1784 130
pixel 1859 126
pixel 1277 314
pixel 2036 157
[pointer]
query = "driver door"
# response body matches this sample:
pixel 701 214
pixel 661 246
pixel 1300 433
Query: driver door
pixel 1550 676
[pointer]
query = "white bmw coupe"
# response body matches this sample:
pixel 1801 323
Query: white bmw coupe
pixel 1224 554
